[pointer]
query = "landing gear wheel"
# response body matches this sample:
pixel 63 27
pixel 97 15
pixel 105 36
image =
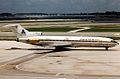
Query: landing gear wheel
pixel 106 48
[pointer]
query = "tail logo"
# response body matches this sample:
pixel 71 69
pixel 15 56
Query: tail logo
pixel 23 32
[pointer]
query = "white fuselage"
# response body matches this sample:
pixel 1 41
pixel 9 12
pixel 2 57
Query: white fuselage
pixel 36 38
pixel 71 41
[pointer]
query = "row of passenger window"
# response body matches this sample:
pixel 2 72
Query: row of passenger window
pixel 81 40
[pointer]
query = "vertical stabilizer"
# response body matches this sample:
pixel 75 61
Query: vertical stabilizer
pixel 18 30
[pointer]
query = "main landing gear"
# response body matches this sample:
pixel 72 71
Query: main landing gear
pixel 106 48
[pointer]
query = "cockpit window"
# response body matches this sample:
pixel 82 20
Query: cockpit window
pixel 114 41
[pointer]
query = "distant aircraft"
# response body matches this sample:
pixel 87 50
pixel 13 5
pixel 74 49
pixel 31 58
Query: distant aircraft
pixel 36 38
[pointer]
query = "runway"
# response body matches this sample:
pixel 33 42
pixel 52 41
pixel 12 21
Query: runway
pixel 78 63
pixel 85 61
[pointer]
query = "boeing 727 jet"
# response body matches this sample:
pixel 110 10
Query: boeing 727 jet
pixel 36 38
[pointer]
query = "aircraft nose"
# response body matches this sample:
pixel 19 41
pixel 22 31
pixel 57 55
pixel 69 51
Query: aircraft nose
pixel 115 42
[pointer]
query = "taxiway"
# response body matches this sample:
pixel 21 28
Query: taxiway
pixel 78 63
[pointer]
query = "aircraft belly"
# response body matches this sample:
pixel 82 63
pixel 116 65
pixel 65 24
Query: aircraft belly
pixel 44 43
pixel 72 44
pixel 92 44
pixel 52 43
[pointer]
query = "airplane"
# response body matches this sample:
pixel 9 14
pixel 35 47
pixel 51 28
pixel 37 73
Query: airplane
pixel 36 38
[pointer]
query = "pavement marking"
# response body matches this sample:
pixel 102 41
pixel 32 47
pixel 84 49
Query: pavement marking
pixel 78 30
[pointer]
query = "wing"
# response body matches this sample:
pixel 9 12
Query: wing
pixel 38 42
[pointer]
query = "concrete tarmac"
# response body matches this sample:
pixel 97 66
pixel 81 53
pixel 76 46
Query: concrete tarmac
pixel 82 61
pixel 78 63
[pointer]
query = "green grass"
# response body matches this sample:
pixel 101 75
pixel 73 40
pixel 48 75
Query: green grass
pixel 66 29
pixel 52 29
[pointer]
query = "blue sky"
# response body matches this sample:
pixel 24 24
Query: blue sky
pixel 59 6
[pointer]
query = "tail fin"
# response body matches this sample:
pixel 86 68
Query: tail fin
pixel 18 30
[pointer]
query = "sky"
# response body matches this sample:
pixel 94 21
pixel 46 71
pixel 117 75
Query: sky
pixel 58 6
